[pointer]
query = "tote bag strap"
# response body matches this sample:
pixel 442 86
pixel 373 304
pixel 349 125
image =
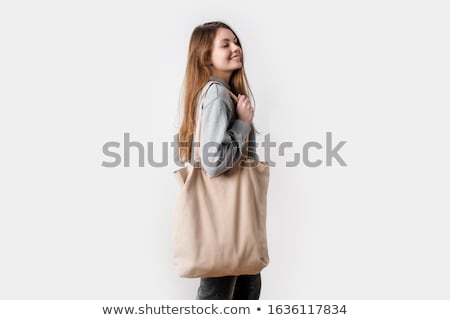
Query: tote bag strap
pixel 198 125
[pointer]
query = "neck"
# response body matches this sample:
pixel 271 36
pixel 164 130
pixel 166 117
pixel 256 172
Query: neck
pixel 225 76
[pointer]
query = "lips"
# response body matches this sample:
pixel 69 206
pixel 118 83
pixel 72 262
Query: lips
pixel 236 56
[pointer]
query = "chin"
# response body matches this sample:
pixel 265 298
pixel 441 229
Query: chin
pixel 237 65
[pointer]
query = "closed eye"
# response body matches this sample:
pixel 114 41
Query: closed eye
pixel 225 42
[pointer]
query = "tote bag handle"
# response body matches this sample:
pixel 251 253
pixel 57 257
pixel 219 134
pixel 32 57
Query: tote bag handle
pixel 198 124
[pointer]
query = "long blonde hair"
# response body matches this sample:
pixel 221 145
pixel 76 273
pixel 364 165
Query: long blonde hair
pixel 198 73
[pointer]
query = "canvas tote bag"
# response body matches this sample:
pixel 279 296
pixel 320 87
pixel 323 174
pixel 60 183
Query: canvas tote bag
pixel 219 226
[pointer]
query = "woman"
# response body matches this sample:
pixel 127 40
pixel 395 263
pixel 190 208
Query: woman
pixel 215 67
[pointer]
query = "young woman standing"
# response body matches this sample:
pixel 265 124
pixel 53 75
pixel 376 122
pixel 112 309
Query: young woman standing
pixel 214 73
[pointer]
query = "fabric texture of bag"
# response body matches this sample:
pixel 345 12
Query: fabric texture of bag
pixel 219 223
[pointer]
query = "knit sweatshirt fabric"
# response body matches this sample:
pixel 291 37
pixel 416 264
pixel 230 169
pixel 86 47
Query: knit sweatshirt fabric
pixel 222 134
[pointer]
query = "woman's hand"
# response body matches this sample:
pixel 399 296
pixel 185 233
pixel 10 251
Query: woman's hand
pixel 244 109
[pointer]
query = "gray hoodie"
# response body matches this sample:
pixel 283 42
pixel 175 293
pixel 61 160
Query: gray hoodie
pixel 222 134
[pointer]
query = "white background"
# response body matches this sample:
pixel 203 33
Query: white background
pixel 75 75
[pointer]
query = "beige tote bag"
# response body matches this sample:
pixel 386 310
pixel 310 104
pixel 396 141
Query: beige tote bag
pixel 219 226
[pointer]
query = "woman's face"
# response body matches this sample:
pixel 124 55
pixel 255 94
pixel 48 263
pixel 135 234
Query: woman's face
pixel 226 55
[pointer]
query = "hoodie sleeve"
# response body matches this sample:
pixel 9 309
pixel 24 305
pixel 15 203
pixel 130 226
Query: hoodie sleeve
pixel 221 137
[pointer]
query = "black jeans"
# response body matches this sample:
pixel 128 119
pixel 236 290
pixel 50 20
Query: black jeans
pixel 244 287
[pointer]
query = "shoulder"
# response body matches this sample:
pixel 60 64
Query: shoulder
pixel 216 92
